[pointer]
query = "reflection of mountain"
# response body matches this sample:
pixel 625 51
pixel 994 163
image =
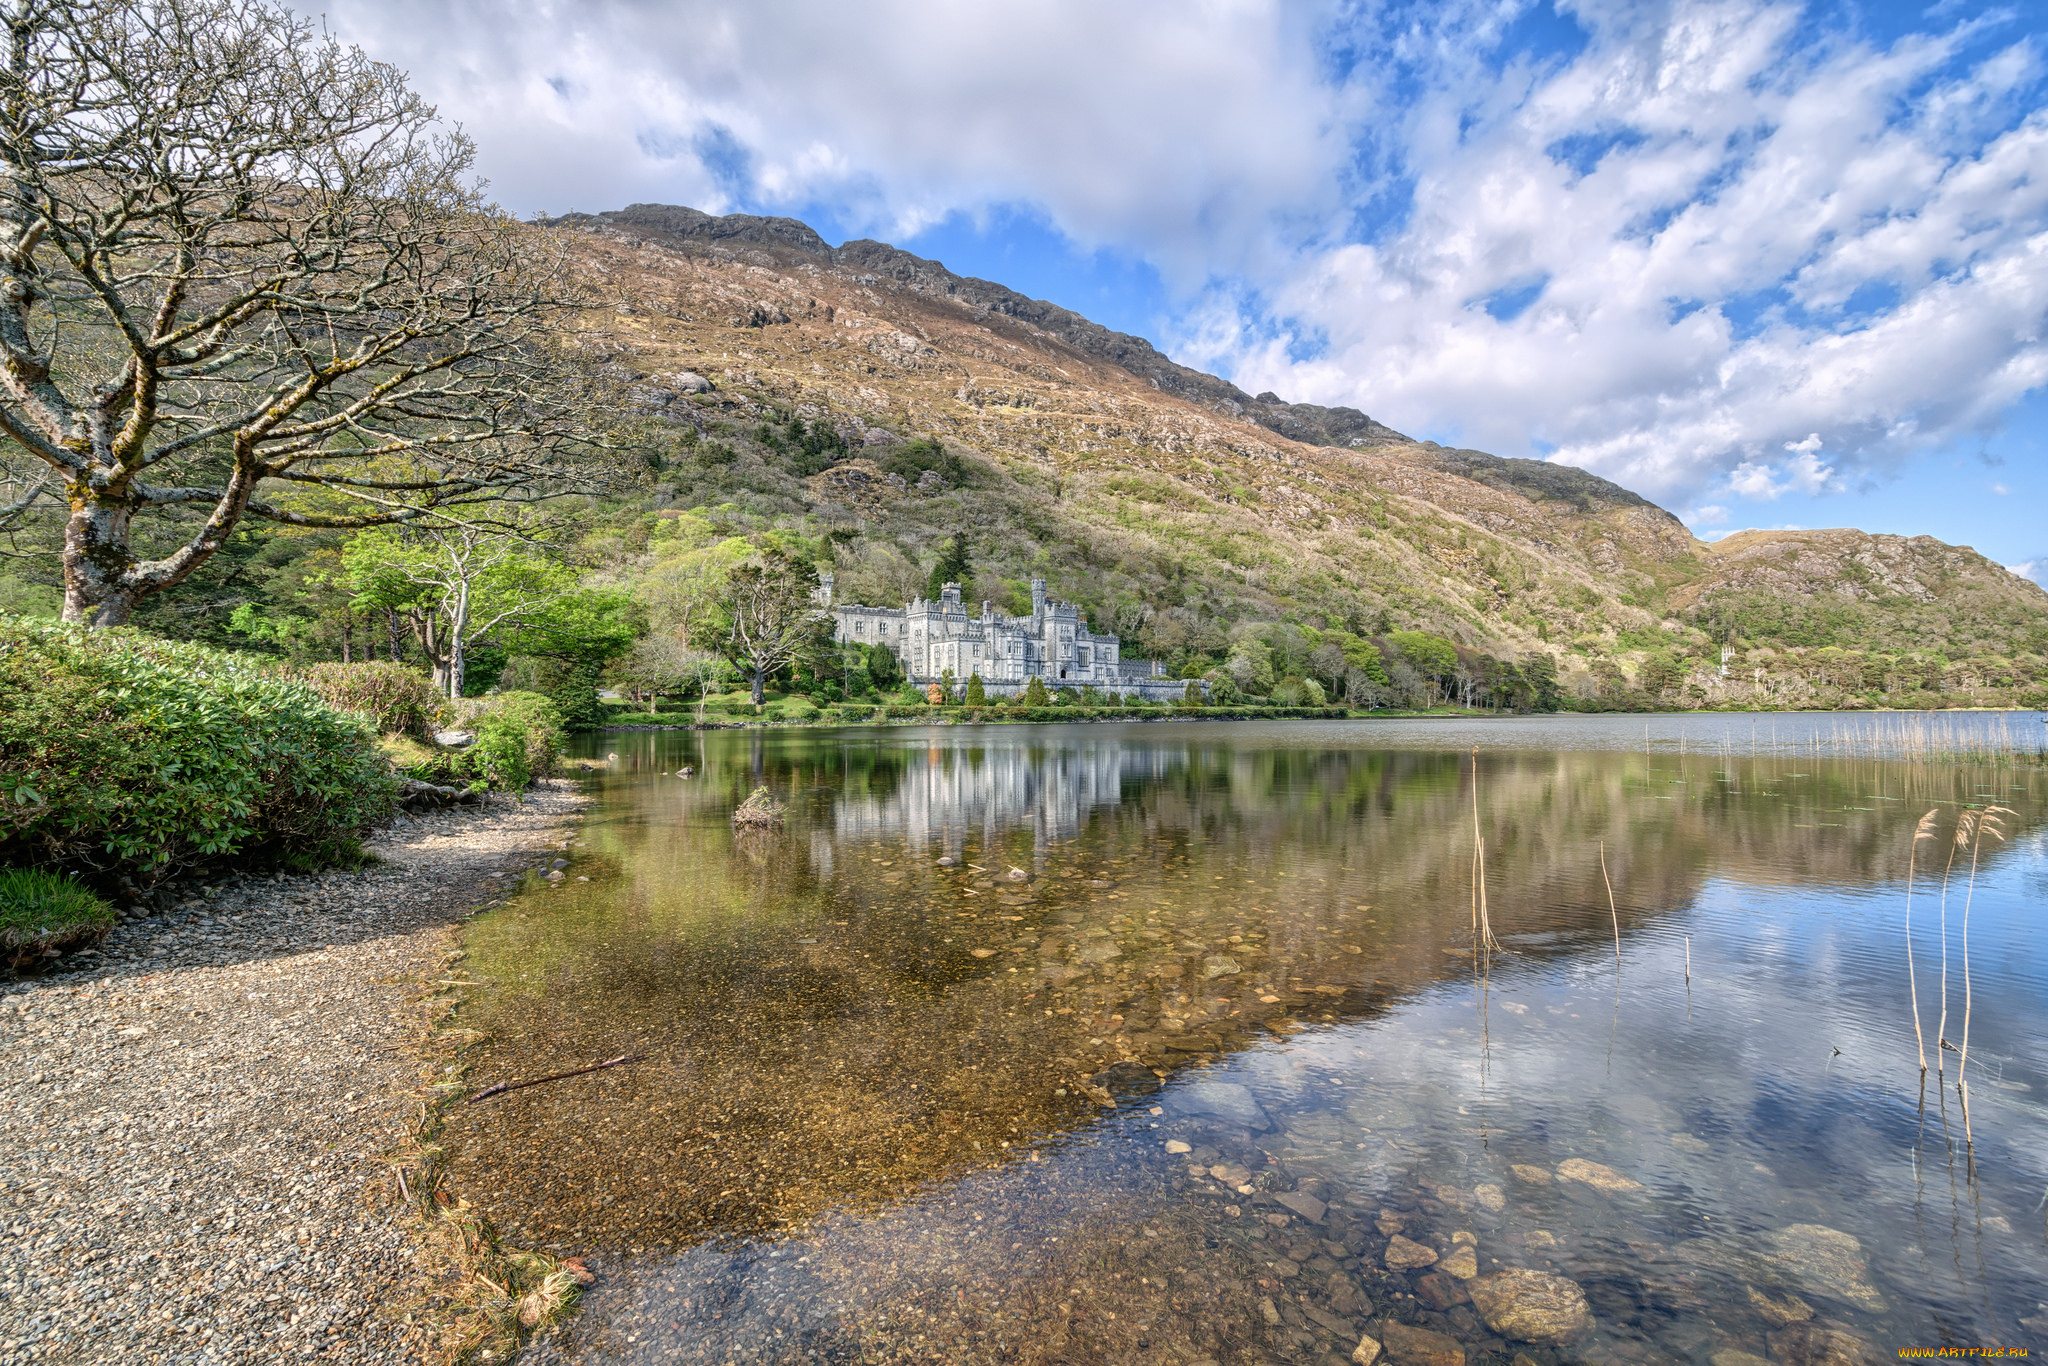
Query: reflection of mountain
pixel 952 794
pixel 835 1018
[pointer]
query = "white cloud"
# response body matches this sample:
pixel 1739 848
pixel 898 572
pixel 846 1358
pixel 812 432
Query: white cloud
pixel 1803 473
pixel 2030 569
pixel 1721 228
pixel 1179 128
pixel 1698 279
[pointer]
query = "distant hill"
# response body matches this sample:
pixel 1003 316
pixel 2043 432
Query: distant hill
pixel 1178 509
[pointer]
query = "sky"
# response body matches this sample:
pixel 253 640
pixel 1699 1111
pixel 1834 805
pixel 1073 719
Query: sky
pixel 1767 263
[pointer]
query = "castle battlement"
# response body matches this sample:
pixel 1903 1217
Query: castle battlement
pixel 935 636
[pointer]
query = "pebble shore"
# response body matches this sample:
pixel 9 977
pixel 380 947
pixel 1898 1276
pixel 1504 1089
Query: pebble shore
pixel 192 1116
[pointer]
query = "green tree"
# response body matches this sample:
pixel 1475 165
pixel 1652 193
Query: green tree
pixel 1541 671
pixel 1432 657
pixel 951 566
pixel 458 585
pixel 885 670
pixel 770 616
pixel 1034 692
pixel 1658 674
pixel 977 695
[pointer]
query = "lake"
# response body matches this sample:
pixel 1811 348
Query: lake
pixel 1176 1043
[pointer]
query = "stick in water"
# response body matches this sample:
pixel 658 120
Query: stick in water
pixel 504 1086
pixel 1614 914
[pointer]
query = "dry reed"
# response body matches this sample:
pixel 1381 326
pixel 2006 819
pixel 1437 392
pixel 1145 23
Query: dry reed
pixel 1482 923
pixel 1615 915
pixel 1987 822
pixel 1924 830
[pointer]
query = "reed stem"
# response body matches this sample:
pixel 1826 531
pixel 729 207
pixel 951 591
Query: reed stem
pixel 1613 914
pixel 1941 1024
pixel 1987 821
pixel 1920 832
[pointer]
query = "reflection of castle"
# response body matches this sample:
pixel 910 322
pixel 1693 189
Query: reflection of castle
pixel 954 792
pixel 1053 644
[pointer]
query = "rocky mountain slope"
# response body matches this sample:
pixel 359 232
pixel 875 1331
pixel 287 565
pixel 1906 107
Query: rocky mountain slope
pixel 1169 503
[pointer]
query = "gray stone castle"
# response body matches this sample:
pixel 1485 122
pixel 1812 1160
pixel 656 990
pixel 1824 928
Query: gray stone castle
pixel 1053 644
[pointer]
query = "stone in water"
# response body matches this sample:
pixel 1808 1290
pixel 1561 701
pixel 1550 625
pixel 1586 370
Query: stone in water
pixel 1405 1254
pixel 1593 1174
pixel 1532 1306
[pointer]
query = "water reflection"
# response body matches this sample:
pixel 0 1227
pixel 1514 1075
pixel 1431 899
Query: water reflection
pixel 1186 1054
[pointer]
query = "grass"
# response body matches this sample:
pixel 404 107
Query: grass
pixel 43 913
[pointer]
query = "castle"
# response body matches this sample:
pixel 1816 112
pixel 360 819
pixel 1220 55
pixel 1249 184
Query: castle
pixel 1053 644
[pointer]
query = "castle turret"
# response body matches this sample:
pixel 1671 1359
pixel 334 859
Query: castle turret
pixel 1038 597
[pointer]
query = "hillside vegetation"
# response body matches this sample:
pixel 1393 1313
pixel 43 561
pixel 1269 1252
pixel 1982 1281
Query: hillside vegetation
pixel 865 411
pixel 877 402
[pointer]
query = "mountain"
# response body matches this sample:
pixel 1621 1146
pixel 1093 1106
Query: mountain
pixel 1179 510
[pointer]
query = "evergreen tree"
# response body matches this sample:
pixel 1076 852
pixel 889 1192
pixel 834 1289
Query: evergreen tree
pixel 977 695
pixel 1034 692
pixel 951 566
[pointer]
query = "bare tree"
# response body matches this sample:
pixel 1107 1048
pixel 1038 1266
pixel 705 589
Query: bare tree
pixel 772 616
pixel 245 272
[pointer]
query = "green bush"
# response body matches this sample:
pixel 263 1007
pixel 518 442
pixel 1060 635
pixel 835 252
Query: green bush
pixel 127 758
pixel 397 700
pixel 41 910
pixel 518 739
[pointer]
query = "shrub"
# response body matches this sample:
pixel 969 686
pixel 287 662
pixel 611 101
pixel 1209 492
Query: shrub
pixel 395 699
pixel 518 739
pixel 794 709
pixel 127 758
pixel 41 910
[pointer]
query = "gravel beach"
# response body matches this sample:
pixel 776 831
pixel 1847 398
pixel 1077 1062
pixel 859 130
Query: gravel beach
pixel 191 1117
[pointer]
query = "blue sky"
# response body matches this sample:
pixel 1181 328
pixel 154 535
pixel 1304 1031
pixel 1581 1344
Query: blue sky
pixel 1767 262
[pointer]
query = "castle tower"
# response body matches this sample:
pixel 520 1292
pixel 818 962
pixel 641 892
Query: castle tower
pixel 1038 597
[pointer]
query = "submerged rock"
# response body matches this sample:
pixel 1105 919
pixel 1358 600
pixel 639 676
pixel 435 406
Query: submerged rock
pixel 1729 1356
pixel 1463 1262
pixel 1490 1198
pixel 1779 1313
pixel 1225 1099
pixel 1367 1351
pixel 1593 1174
pixel 1407 1346
pixel 1535 1176
pixel 1307 1206
pixel 1405 1254
pixel 1828 1260
pixel 1219 966
pixel 1532 1306
pixel 1816 1344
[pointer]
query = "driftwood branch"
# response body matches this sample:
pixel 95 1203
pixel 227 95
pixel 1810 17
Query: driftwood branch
pixel 504 1086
